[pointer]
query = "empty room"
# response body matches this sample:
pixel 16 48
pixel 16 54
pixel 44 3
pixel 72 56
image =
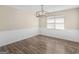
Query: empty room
pixel 39 29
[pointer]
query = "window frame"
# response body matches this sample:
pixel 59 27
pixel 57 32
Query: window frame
pixel 54 17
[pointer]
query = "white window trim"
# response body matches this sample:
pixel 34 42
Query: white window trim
pixel 54 22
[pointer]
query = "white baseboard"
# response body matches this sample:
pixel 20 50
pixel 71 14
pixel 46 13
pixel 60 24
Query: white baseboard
pixel 7 37
pixel 72 35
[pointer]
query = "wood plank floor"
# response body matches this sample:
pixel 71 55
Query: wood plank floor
pixel 41 45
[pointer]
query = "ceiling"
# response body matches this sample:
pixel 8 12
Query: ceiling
pixel 49 8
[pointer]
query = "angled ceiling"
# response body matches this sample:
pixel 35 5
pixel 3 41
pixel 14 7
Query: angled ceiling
pixel 49 8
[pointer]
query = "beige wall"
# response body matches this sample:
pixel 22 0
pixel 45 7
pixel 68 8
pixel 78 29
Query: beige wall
pixel 12 18
pixel 42 22
pixel 71 18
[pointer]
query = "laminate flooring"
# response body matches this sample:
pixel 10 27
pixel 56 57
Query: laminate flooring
pixel 41 44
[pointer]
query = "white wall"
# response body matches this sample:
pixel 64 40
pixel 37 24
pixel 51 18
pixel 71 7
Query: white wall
pixel 71 31
pixel 7 37
pixel 72 35
pixel 16 24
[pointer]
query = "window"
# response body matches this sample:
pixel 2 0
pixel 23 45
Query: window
pixel 55 22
